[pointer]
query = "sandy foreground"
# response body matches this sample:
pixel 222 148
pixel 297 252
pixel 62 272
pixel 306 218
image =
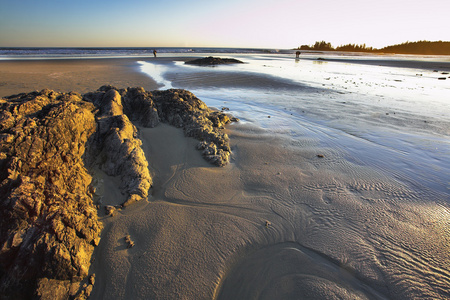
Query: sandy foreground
pixel 276 223
pixel 218 233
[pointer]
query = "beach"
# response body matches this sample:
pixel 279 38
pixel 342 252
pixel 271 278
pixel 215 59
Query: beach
pixel 78 75
pixel 338 185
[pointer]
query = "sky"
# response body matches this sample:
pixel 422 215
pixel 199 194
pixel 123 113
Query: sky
pixel 279 24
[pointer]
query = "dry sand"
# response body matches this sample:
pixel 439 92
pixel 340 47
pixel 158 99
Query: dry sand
pixel 65 75
pixel 248 230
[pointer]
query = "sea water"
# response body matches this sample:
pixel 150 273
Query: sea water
pixel 378 201
pixel 368 111
pixel 32 53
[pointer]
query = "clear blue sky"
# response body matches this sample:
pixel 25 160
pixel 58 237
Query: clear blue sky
pixel 223 23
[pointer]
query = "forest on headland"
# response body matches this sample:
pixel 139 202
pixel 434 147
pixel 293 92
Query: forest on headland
pixel 419 47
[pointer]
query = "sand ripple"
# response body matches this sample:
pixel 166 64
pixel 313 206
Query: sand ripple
pixel 290 271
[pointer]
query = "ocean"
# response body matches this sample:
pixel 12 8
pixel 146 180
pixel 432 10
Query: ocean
pixel 74 53
pixel 400 114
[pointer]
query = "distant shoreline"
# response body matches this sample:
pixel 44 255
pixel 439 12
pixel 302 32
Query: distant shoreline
pixel 414 48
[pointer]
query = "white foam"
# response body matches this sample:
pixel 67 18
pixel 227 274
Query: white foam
pixel 156 71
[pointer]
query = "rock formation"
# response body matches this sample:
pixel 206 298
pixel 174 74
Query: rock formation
pixel 179 108
pixel 117 148
pixel 182 109
pixel 48 221
pixel 211 61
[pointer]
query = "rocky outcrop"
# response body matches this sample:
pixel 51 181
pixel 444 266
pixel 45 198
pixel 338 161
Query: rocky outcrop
pixel 117 148
pixel 176 107
pixel 212 61
pixel 182 109
pixel 48 222
pixel 140 107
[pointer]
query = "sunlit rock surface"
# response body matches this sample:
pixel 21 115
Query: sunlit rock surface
pixel 49 223
pixel 176 107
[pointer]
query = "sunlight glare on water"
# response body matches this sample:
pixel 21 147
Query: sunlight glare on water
pixel 157 72
pixel 409 89
pixel 368 111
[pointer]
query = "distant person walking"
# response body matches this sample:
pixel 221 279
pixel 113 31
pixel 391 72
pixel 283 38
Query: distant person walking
pixel 154 52
pixel 297 54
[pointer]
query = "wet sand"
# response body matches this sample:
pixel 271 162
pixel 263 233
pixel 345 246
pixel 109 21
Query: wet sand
pixel 287 219
pixel 274 224
pixel 402 62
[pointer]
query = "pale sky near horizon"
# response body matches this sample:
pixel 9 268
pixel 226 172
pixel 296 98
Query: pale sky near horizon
pixel 278 24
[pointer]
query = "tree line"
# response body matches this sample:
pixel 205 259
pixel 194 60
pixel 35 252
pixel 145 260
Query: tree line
pixel 419 47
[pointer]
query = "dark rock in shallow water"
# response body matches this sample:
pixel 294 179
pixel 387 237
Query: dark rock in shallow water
pixel 211 61
pixel 48 222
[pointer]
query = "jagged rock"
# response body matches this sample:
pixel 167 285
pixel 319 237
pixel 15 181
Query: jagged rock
pixel 210 61
pixel 124 157
pixel 182 109
pixel 177 107
pixel 110 210
pixel 92 279
pixel 140 108
pixel 53 289
pixel 48 222
pixel 118 148
pixel 111 104
pixel 129 242
pixel 49 225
